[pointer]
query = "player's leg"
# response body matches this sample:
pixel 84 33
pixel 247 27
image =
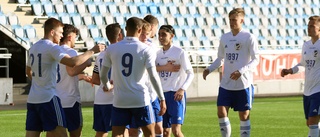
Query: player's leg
pixel 134 130
pixel 166 118
pixel 74 120
pixel 177 112
pixel 223 104
pixel 313 114
pixel 243 103
pixel 33 121
pixel 120 118
pixel 158 119
pixel 53 116
pixel 148 131
pixel 102 119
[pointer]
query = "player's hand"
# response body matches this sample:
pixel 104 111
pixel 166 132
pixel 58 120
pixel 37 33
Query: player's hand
pixel 87 79
pixel 108 87
pixel 285 72
pixel 235 75
pixel 179 95
pixel 171 67
pixel 98 48
pixel 163 107
pixel 205 73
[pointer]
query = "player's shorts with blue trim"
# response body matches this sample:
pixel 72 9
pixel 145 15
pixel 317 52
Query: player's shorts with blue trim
pixel 311 105
pixel 45 116
pixel 142 116
pixel 239 100
pixel 102 117
pixel 175 110
pixel 74 117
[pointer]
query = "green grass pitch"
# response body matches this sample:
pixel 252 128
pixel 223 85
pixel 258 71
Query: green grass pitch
pixel 270 117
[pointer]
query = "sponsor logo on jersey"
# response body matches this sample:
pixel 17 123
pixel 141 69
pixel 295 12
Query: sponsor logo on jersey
pixel 237 46
pixel 315 53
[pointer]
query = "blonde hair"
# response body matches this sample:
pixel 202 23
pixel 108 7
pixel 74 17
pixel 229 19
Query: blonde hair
pixel 238 11
pixel 146 26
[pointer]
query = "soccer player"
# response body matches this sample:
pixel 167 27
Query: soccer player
pixel 129 60
pixel 310 60
pixel 44 110
pixel 103 100
pixel 239 50
pixel 154 22
pixel 174 84
pixel 68 82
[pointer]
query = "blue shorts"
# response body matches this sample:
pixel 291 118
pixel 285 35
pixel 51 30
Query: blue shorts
pixel 156 109
pixel 239 100
pixel 123 116
pixel 311 105
pixel 73 117
pixel 175 110
pixel 45 116
pixel 102 117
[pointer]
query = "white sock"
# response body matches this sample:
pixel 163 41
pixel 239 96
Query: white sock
pixel 140 133
pixel 159 135
pixel 245 128
pixel 225 127
pixel 313 131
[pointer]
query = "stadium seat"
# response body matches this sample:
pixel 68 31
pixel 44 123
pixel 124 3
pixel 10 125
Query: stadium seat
pixel 37 9
pixel 188 33
pixel 59 7
pixel 180 21
pixel 182 9
pixel 143 9
pixel 12 18
pixel 209 20
pixel 102 7
pixel 113 9
pixel 70 7
pixel 102 29
pixel 207 32
pixel 282 22
pixel 18 31
pixel 199 34
pixel 120 20
pixel 217 33
pixel 172 9
pixel 202 9
pixel 199 21
pixel 87 19
pixel 76 19
pixel 81 7
pixel 219 21
pixel 163 9
pixel 3 19
pixel 108 18
pixel 48 8
pixel 178 32
pixel 123 9
pixel 30 32
pixel 22 1
pixel 170 19
pixel 153 9
pixel 94 31
pixel 192 9
pixel 186 44
pixel 161 19
pixel 273 22
pixel 83 32
pixel 65 18
pixel 220 10
pixel 98 19
pixel 264 22
pixel 89 43
pixel 92 8
pixel 207 44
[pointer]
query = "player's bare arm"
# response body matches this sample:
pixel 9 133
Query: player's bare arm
pixel 285 72
pixel 76 70
pixel 95 78
pixel 29 72
pixel 78 60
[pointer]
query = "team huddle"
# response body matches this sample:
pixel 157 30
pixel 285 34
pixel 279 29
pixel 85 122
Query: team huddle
pixel 143 87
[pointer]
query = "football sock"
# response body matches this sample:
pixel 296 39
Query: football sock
pixel 225 127
pixel 245 128
pixel 159 135
pixel 313 130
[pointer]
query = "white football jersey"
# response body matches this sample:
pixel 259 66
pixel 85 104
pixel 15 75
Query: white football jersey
pixel 310 59
pixel 101 97
pixel 67 86
pixel 173 81
pixel 43 58
pixel 153 93
pixel 240 53
pixel 129 60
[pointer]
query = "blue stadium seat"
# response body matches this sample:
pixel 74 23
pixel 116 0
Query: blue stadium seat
pixel 113 9
pixel 192 9
pixel 180 21
pixel 217 32
pixel 76 19
pixel 53 15
pixel 163 9
pixel 70 7
pixel 172 9
pixel 108 19
pixel 48 8
pixel 133 9
pixel 102 7
pixel 83 32
pixel 92 8
pixel 87 19
pixel 12 18
pixel 143 9
pixel 102 29
pixel 188 33
pixel 153 9
pixel 94 31
pixel 3 19
pixel 37 9
pixel 65 18
pixel 59 7
pixel 18 30
pixel 178 32
pixel 30 32
pixel 98 19
pixel 161 19
pixel 81 7
pixel 120 20
pixel 199 21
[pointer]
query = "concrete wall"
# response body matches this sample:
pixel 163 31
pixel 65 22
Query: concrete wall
pixel 6 96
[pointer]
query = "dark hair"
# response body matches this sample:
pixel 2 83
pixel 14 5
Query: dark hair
pixel 112 31
pixel 168 28
pixel 133 24
pixel 151 19
pixel 51 24
pixel 315 18
pixel 67 29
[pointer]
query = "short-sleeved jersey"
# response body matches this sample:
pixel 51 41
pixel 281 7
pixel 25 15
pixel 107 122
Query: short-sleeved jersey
pixel 101 97
pixel 173 81
pixel 240 53
pixel 129 60
pixel 67 86
pixel 43 58
pixel 310 59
